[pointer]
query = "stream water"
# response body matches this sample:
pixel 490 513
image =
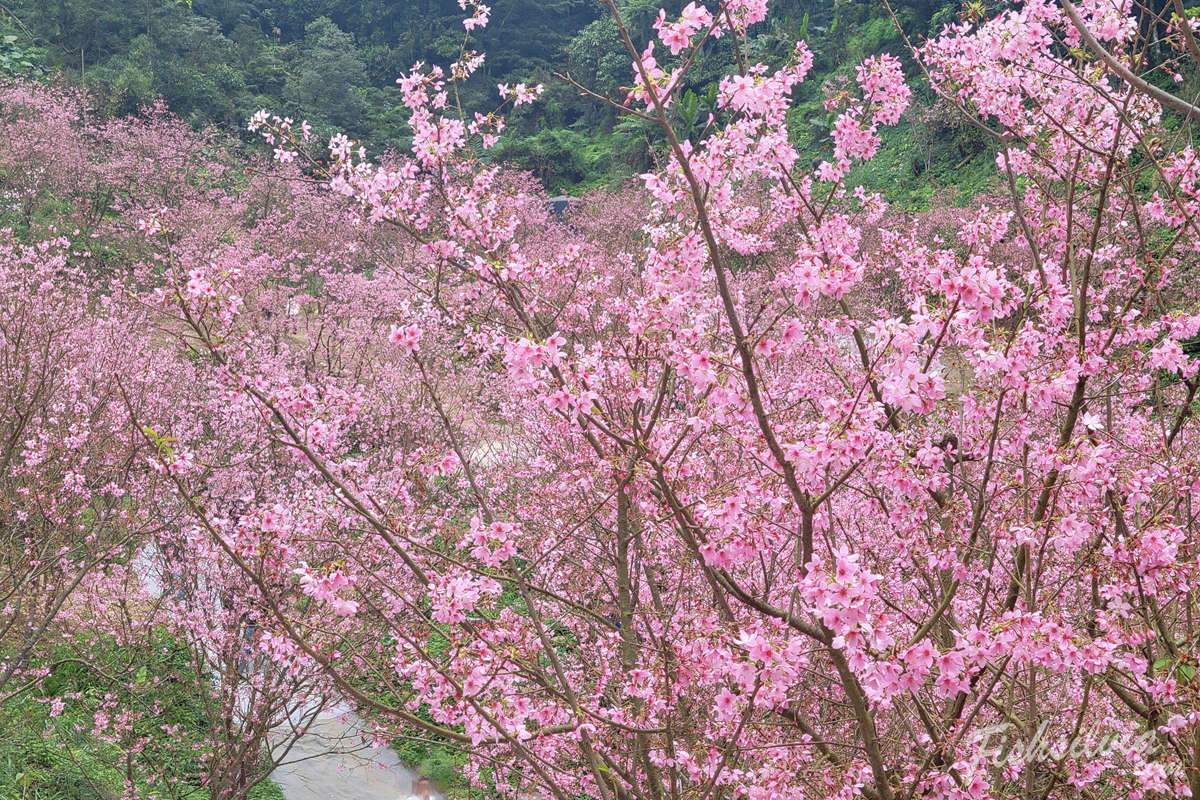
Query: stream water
pixel 331 763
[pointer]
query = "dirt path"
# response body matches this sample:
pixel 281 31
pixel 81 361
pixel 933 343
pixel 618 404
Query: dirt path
pixel 329 763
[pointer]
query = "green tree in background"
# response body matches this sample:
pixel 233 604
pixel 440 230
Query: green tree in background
pixel 323 83
pixel 183 58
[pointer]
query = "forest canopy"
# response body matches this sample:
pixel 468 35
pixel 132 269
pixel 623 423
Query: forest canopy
pixel 335 63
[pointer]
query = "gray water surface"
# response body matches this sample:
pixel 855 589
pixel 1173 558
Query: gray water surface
pixel 331 762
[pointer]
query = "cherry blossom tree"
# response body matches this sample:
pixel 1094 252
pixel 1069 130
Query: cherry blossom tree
pixel 101 569
pixel 194 696
pixel 738 483
pixel 67 453
pixel 717 522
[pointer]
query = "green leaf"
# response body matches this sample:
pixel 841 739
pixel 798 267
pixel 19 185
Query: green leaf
pixel 688 106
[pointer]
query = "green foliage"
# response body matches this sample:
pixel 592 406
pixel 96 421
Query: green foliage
pixel 334 63
pixel 45 757
pixel 440 762
pixel 560 157
pixel 18 57
pixel 911 172
pixel 35 766
pixel 323 84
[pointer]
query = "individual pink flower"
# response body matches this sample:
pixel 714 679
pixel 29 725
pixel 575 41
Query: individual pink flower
pixel 408 337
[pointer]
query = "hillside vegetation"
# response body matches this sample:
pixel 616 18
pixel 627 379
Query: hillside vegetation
pixel 335 63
